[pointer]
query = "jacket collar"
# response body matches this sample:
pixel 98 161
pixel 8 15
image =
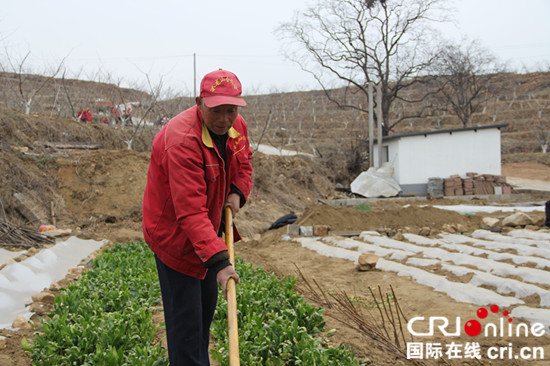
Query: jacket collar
pixel 207 139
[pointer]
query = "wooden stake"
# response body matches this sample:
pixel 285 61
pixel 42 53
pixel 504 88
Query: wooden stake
pixel 52 212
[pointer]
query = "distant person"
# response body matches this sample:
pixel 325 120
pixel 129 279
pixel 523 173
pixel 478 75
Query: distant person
pixel 85 115
pixel 81 115
pixel 200 163
pixel 115 114
pixel 88 116
pixel 127 117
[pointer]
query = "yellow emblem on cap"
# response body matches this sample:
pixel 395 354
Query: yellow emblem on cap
pixel 221 80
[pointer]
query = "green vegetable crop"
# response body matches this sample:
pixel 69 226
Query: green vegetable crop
pixel 276 325
pixel 105 317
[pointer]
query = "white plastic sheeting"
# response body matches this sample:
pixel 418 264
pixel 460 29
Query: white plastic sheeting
pixel 536 235
pixel 5 255
pixel 461 292
pixel 368 248
pixel 521 249
pixel 464 209
pixel 376 182
pixel 502 285
pixel 270 150
pixel 19 281
pixel 466 249
pixel 533 315
pixel 493 279
pixel 329 251
pixel 489 235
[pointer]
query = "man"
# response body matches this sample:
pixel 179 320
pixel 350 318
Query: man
pixel 200 163
pixel 84 115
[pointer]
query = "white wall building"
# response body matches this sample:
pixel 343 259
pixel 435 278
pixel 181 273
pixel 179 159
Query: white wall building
pixel 418 156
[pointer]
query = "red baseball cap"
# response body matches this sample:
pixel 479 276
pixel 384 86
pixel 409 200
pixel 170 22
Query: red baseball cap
pixel 221 87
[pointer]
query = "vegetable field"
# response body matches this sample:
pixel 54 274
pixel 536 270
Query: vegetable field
pixel 276 325
pixel 105 318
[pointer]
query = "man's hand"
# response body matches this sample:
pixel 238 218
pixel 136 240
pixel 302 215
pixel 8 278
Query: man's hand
pixel 233 201
pixel 224 275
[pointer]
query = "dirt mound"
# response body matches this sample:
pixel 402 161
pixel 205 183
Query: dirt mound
pixel 85 189
pixel 408 218
pixel 282 184
pixel 106 184
pixel 102 193
pixel 102 190
pixel 295 181
pixel 43 175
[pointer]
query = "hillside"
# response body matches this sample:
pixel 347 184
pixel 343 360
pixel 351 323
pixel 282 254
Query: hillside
pixel 304 121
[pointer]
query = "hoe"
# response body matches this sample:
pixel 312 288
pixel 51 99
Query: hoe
pixel 231 295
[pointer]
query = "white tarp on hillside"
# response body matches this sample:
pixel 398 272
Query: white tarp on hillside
pixel 376 182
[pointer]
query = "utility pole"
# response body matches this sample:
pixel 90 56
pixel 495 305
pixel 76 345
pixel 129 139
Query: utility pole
pixel 371 127
pixel 380 123
pixel 194 75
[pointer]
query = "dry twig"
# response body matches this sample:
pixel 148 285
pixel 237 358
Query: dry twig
pixel 345 311
pixel 13 236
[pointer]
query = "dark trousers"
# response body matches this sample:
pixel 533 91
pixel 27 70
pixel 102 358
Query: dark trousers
pixel 189 305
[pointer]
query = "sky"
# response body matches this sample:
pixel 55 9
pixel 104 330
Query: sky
pixel 130 41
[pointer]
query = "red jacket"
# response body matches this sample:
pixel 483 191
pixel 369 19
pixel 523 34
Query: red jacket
pixel 186 189
pixel 85 115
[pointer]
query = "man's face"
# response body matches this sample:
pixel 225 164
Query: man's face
pixel 218 119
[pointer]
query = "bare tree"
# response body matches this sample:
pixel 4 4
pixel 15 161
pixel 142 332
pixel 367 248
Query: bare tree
pixel 541 130
pixel 541 124
pixel 68 95
pixel 266 124
pixel 28 84
pixel 359 42
pixel 465 72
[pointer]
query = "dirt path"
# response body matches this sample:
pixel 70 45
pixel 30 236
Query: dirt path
pixel 534 171
pixel 528 175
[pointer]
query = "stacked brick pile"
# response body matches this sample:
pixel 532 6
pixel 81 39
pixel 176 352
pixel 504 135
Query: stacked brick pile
pixel 453 186
pixel 476 184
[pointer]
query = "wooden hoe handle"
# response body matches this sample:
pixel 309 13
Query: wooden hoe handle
pixel 231 294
